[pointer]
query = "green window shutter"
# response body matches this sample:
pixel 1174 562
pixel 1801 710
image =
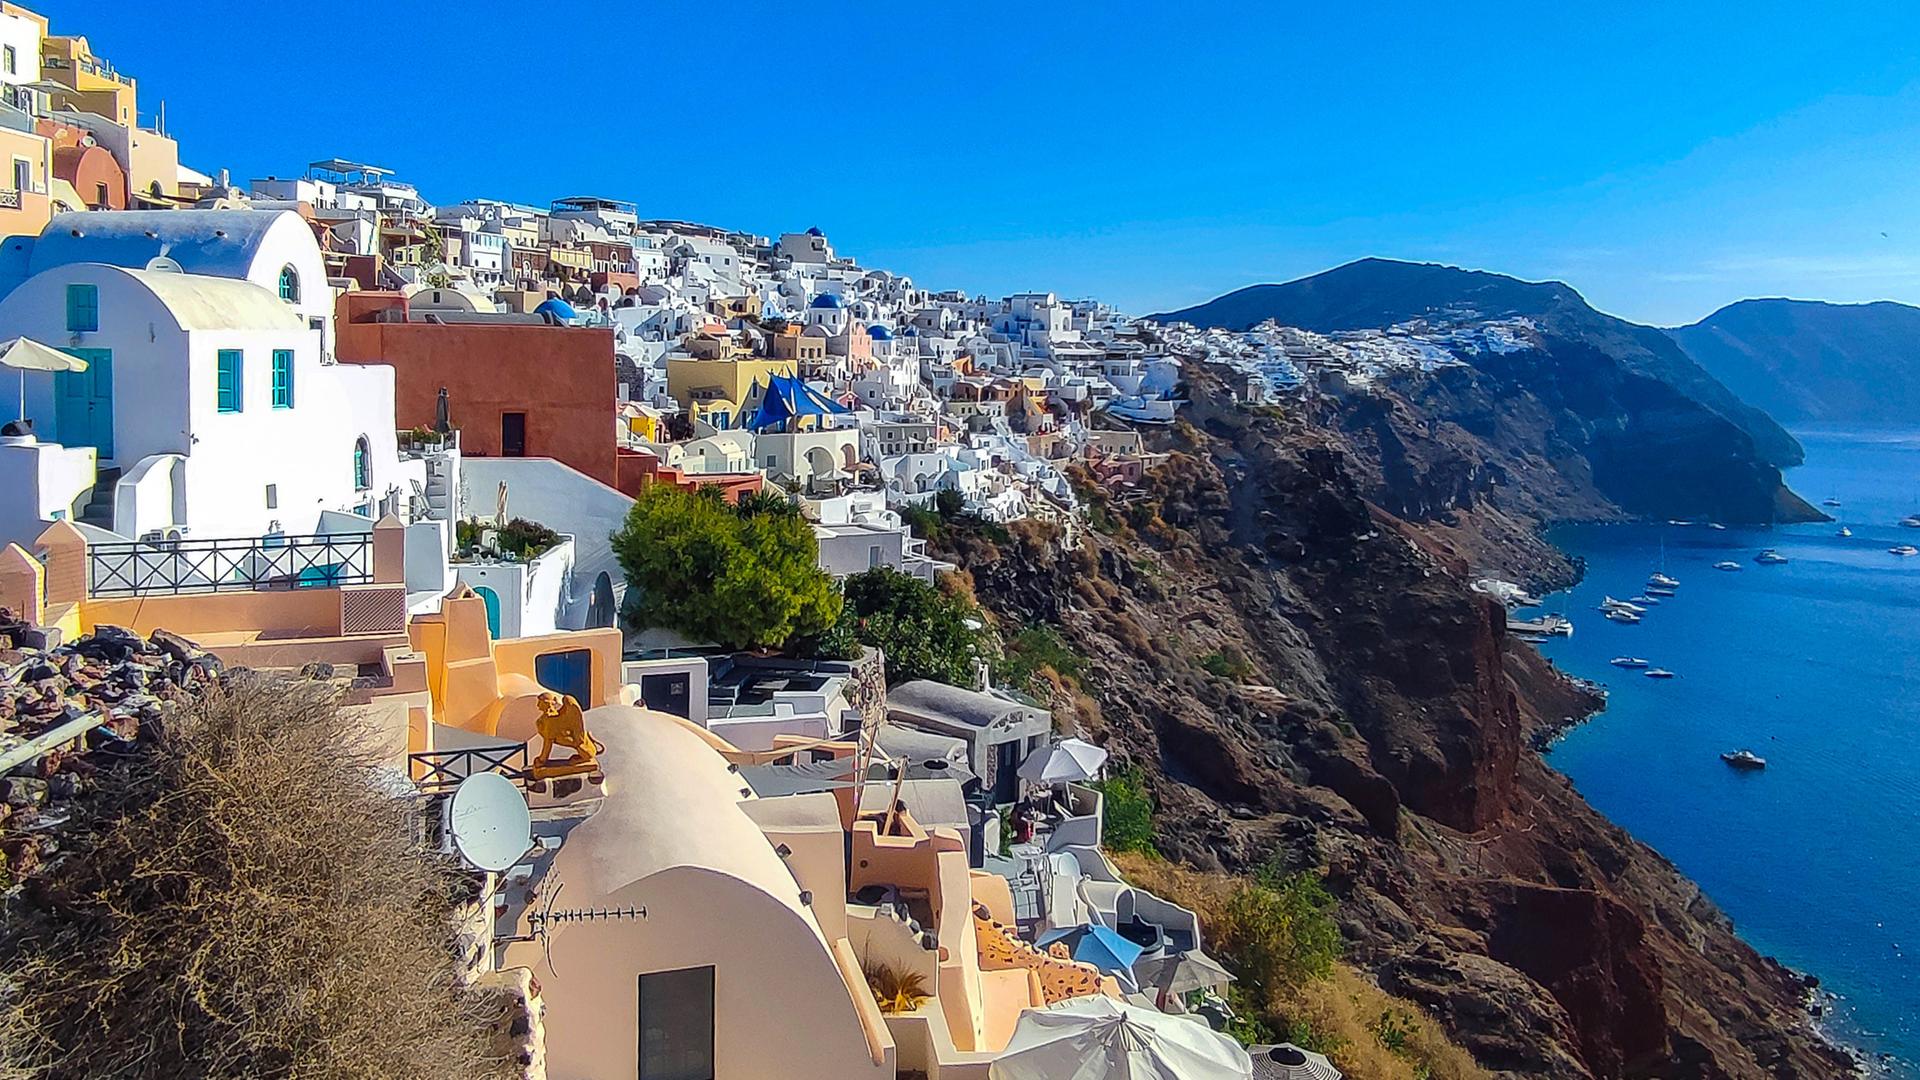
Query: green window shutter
pixel 83 308
pixel 227 365
pixel 283 378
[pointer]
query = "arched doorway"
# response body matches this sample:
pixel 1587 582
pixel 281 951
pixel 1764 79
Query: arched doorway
pixel 600 607
pixel 492 600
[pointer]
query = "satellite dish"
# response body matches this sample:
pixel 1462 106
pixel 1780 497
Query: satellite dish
pixel 489 821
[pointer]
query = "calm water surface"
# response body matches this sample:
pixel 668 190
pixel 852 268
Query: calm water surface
pixel 1815 665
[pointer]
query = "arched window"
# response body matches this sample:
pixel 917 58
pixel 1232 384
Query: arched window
pixel 362 464
pixel 289 285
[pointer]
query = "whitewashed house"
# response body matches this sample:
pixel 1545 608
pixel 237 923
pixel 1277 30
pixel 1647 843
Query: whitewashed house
pixel 209 400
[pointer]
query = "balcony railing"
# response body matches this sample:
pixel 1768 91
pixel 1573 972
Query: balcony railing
pixel 9 199
pixel 439 770
pixel 254 564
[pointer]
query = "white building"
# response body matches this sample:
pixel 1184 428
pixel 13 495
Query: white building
pixel 208 399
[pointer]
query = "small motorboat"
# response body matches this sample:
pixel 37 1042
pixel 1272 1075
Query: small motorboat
pixel 1745 760
pixel 1644 600
pixel 1905 551
pixel 1829 502
pixel 1770 557
pixel 1657 591
pixel 1677 523
pixel 1726 564
pixel 1620 615
pixel 1844 532
pixel 1911 521
pixel 1657 673
pixel 1608 603
pixel 1629 662
pixel 1662 581
pixel 1716 526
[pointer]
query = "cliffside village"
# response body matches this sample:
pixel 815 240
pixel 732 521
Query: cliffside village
pixel 279 425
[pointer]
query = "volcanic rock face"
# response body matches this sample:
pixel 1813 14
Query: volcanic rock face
pixel 1381 729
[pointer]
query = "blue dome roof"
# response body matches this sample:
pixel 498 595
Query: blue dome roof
pixel 826 300
pixel 879 333
pixel 815 231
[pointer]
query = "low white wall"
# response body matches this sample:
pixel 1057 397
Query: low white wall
pixel 36 481
pixel 151 496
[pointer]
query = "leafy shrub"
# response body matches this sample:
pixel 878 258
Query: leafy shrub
pixel 1034 651
pixel 924 632
pixel 709 570
pixel 1229 663
pixel 1126 812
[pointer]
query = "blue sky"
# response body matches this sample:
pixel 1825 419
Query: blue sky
pixel 1664 159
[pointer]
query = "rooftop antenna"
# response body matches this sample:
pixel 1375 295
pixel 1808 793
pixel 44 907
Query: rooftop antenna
pixel 490 823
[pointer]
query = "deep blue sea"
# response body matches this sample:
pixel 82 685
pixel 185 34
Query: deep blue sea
pixel 1815 665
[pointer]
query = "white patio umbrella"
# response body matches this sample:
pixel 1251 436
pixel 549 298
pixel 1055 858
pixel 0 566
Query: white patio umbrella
pixel 26 354
pixel 1066 760
pixel 1289 1062
pixel 1098 1038
pixel 1180 973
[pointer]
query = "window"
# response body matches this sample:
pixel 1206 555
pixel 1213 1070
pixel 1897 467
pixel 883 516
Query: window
pixel 289 285
pixel 22 175
pixel 83 307
pixel 101 199
pixel 362 465
pixel 227 368
pixel 273 496
pixel 283 378
pixel 676 1025
pixel 10 59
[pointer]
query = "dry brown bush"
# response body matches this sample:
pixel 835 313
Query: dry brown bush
pixel 243 900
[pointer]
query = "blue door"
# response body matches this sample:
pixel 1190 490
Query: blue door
pixel 492 600
pixel 569 672
pixel 83 402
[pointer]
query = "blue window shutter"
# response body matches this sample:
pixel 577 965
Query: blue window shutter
pixel 283 378
pixel 83 308
pixel 228 373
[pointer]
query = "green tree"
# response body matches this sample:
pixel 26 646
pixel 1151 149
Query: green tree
pixel 1126 819
pixel 703 568
pixel 924 632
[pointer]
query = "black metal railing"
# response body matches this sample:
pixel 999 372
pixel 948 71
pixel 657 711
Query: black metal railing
pixel 253 564
pixel 439 770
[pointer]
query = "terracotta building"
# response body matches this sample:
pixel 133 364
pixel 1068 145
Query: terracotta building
pixel 515 387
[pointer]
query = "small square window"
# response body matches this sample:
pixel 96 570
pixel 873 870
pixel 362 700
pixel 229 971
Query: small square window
pixel 273 496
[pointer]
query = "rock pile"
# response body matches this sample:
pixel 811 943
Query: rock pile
pixel 128 683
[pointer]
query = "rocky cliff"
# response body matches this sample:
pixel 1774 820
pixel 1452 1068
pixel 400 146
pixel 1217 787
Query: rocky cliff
pixel 1377 723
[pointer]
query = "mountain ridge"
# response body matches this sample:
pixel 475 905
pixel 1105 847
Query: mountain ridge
pixel 1375 293
pixel 1813 360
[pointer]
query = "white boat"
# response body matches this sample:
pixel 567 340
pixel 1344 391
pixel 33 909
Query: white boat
pixel 1629 662
pixel 1678 523
pixel 1830 502
pixel 1844 532
pixel 1911 521
pixel 1716 526
pixel 1544 626
pixel 1644 601
pixel 1659 593
pixel 1620 616
pixel 1904 550
pixel 1664 582
pixel 1657 673
pixel 1770 557
pixel 1726 564
pixel 1745 760
pixel 1608 603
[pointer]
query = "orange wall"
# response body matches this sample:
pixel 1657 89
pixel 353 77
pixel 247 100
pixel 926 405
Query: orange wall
pixel 561 377
pixel 280 614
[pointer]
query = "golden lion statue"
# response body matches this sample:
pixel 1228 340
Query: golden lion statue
pixel 561 723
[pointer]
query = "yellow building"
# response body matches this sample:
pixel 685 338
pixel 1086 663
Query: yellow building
pixel 25 186
pixel 91 83
pixel 721 385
